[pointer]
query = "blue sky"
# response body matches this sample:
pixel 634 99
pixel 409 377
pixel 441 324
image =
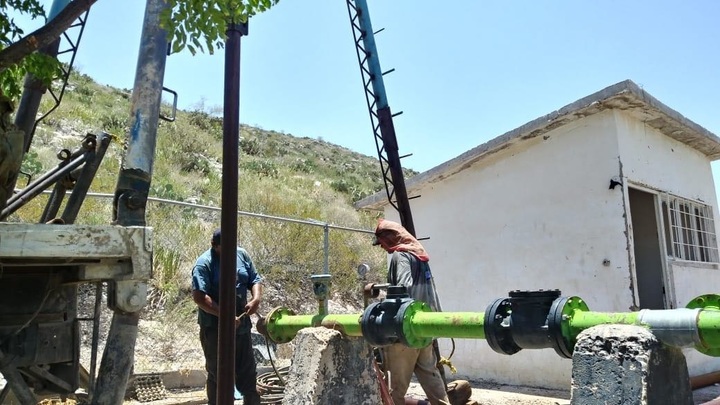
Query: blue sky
pixel 466 71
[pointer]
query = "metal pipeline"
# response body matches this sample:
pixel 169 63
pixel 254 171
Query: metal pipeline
pixel 282 325
pixel 696 326
pixel 526 320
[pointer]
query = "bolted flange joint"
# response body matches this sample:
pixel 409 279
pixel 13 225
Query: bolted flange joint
pixel 382 322
pixel 528 320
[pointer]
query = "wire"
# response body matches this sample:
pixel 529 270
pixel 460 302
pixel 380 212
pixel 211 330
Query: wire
pixel 446 361
pixel 272 387
pixel 272 363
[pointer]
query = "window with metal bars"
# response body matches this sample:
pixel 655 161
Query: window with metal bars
pixel 689 230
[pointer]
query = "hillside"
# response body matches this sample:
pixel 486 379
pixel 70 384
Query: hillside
pixel 280 175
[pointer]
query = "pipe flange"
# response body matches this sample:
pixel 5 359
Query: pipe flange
pixel 561 313
pixel 497 331
pixel 707 302
pixel 266 326
pixel 408 337
pixel 374 330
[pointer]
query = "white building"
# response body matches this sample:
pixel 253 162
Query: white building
pixel 611 198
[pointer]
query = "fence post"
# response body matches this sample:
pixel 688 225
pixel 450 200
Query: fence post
pixel 326 240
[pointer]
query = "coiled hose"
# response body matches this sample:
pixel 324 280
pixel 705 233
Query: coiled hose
pixel 272 386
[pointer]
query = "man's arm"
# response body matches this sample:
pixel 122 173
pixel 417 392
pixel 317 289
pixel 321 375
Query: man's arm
pixel 400 270
pixel 254 303
pixel 205 303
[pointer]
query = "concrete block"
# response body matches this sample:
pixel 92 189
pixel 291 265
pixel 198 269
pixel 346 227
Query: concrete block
pixel 627 365
pixel 329 369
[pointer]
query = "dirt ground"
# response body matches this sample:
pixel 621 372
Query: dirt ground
pixel 483 396
pixel 486 394
pixel 483 393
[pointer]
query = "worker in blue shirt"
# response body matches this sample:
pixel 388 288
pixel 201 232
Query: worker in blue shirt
pixel 205 293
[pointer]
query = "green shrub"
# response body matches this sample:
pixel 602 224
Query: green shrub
pixel 260 167
pixel 250 146
pixel 31 165
pixel 303 165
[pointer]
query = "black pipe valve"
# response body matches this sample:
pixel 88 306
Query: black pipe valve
pixel 524 320
pixel 382 322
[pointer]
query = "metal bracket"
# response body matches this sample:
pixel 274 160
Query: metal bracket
pixel 127 295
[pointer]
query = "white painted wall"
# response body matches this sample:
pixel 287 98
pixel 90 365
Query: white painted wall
pixel 538 215
pixel 661 163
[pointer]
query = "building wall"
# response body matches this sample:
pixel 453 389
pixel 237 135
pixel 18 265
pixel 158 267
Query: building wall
pixel 660 163
pixel 537 215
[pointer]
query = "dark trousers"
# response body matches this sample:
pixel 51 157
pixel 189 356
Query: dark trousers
pixel 245 370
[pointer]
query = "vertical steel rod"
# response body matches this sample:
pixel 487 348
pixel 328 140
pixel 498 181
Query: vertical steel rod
pixel 95 338
pixel 228 216
pixel 326 248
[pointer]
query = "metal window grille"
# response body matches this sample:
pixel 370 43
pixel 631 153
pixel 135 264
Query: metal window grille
pixel 691 230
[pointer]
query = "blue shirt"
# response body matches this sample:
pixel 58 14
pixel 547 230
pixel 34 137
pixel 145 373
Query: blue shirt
pixel 206 278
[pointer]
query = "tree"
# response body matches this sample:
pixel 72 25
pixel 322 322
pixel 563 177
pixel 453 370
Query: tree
pixel 19 54
pixel 199 20
pixel 203 22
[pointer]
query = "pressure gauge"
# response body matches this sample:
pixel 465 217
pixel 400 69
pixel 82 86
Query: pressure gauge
pixel 363 269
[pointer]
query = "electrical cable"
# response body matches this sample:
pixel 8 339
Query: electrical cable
pixel 272 387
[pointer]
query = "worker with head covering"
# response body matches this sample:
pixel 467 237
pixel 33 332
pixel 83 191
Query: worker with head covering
pixel 409 267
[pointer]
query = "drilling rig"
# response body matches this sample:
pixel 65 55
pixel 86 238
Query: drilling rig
pixel 42 265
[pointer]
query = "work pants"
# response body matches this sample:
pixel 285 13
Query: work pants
pixel 401 361
pixel 245 369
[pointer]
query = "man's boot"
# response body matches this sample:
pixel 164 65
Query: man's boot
pixel 459 392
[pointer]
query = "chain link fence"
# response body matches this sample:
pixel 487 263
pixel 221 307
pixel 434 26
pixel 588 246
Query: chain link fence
pixel 285 252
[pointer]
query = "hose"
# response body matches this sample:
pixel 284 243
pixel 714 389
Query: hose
pixel 446 361
pixel 272 387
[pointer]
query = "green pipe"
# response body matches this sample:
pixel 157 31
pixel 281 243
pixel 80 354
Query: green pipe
pixel 461 325
pixel 582 320
pixel 696 326
pixel 708 324
pixel 282 325
pixel 419 325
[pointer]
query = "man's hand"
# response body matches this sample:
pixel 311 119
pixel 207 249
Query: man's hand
pixel 252 306
pixel 238 319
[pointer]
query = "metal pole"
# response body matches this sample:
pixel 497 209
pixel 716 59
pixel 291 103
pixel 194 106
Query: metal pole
pixel 34 90
pixel 131 193
pixel 118 359
pixel 38 187
pixel 136 172
pixel 326 248
pixel 228 216
pixel 95 338
pixel 77 197
pixel 384 116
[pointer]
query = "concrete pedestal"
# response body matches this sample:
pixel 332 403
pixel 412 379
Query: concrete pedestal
pixel 329 369
pixel 627 365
